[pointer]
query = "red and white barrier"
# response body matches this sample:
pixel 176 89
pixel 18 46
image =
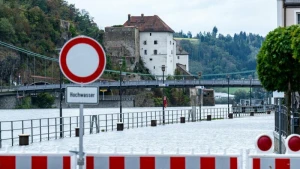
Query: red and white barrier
pixel 263 159
pixel 97 161
pixel 35 161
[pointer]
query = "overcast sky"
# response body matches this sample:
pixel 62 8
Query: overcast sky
pixel 230 16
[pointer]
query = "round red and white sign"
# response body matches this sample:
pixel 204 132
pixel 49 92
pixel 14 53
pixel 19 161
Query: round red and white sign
pixel 82 60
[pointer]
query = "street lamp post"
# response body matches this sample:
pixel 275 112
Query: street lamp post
pixel 228 92
pixel 163 68
pixel 250 77
pixel 120 88
pixel 200 95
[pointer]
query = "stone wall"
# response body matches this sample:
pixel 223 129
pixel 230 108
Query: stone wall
pixel 122 42
pixel 8 102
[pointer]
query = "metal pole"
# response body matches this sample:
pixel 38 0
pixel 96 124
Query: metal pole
pixel 250 90
pixel 280 133
pixel 60 105
pixel 120 93
pixel 163 106
pixel 228 94
pixel 200 98
pixel 81 159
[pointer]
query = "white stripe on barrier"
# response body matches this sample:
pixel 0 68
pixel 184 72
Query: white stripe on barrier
pixel 23 162
pixel 192 162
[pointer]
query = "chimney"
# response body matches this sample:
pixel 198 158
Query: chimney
pixel 128 17
pixel 142 17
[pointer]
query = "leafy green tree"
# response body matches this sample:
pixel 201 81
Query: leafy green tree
pixel 6 29
pixel 277 68
pixel 44 100
pixel 240 94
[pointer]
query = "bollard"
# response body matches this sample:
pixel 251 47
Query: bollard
pixel 268 111
pixel 182 119
pixel 24 139
pixel 251 113
pixel 230 115
pixel 208 118
pixel 153 123
pixel 76 131
pixel 120 126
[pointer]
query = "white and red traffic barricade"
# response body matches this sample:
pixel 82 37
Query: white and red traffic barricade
pixel 162 161
pixel 264 159
pixel 35 161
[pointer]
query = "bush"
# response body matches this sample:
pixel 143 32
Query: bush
pixel 44 100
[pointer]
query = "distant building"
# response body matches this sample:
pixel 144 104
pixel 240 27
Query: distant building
pixel 150 38
pixel 288 12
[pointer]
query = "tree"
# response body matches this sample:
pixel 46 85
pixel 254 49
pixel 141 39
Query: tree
pixel 277 68
pixel 44 100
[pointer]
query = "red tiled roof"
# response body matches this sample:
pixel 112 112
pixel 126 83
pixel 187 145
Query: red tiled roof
pixel 148 24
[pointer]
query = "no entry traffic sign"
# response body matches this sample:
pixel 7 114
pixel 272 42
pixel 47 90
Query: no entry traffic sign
pixel 82 60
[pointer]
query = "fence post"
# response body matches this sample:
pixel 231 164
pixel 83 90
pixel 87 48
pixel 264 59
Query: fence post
pixel 112 122
pixel 31 131
pixel 132 121
pixel 146 119
pixel 70 126
pixel 12 133
pixel 40 130
pixel 137 120
pixel 48 128
pixel 55 128
pixel 106 122
pixel 141 119
pixel 22 127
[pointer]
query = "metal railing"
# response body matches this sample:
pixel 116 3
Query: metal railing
pixel 282 117
pixel 49 128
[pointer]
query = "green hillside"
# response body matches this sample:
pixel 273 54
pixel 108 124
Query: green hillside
pixel 215 53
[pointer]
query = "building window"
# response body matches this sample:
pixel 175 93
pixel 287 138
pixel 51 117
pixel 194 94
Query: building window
pixel 178 57
pixel 150 59
pixel 170 42
pixel 155 52
pixel 150 34
pixel 298 18
pixel 171 51
pixel 145 42
pixel 145 52
pixel 155 42
pixel 153 67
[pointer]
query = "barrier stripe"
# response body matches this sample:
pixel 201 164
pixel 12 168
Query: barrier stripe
pixel 207 162
pixel 162 162
pixel 147 162
pixel 7 162
pixel 233 163
pixel 90 162
pixel 276 163
pixel 192 162
pixel 177 162
pixel 23 162
pixel 39 162
pixel 282 164
pixel 116 162
pixel 66 162
pixel 132 163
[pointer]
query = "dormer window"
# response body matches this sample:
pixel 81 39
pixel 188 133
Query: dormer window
pixel 155 42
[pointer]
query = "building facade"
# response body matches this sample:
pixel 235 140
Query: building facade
pixel 157 46
pixel 288 12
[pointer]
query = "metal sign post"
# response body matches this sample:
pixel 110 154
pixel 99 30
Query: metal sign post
pixel 82 60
